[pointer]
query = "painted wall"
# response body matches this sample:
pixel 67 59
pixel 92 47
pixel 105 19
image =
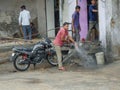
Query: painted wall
pixel 50 18
pixel 115 27
pixel 109 19
pixel 71 6
pixel 102 22
pixel 83 18
pixel 68 10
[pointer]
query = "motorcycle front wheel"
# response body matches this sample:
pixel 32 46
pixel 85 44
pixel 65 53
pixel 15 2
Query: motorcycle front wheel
pixel 19 63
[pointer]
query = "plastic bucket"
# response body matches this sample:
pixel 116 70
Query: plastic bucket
pixel 100 58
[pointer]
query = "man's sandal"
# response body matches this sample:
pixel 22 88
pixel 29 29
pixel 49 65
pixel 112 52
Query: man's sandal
pixel 62 69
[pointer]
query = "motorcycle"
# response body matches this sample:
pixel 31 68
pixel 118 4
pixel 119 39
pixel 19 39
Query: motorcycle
pixel 23 57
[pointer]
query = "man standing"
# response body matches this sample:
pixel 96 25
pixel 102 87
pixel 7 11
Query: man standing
pixel 24 21
pixel 60 39
pixel 93 17
pixel 76 24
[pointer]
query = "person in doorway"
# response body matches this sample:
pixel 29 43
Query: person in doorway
pixel 93 17
pixel 76 24
pixel 61 38
pixel 24 21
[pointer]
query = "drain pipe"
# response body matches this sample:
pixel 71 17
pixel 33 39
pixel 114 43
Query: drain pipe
pixel 60 13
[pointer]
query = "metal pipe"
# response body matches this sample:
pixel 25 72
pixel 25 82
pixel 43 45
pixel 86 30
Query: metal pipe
pixel 46 18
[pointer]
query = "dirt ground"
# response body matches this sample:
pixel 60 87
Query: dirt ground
pixel 46 77
pixel 49 78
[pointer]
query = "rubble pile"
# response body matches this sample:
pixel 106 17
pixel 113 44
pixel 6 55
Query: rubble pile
pixel 92 47
pixel 85 56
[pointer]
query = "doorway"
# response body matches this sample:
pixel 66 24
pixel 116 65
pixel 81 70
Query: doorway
pixel 95 31
pixel 56 15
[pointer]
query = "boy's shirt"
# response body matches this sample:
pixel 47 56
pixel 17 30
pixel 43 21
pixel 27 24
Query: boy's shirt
pixel 92 15
pixel 24 17
pixel 76 17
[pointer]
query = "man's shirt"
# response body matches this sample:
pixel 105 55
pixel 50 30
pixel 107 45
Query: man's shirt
pixel 93 15
pixel 76 19
pixel 62 33
pixel 24 17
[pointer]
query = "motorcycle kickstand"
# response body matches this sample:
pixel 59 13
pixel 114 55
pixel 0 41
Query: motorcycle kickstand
pixel 34 65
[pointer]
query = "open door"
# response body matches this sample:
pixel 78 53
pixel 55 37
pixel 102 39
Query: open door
pixel 95 31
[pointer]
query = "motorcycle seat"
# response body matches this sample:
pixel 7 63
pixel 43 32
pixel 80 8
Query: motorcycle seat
pixel 25 49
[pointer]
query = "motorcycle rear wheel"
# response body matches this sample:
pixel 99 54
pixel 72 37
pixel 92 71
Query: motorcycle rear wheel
pixel 18 66
pixel 52 60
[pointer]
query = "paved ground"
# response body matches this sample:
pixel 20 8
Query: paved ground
pixel 75 78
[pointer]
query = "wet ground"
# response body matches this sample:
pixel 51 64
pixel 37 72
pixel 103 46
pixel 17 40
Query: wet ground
pixel 49 78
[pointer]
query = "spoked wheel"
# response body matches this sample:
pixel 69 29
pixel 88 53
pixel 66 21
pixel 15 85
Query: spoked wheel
pixel 52 59
pixel 20 64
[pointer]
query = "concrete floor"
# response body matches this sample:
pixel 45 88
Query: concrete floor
pixel 75 78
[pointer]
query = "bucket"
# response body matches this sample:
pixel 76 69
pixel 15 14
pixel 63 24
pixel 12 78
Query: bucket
pixel 100 58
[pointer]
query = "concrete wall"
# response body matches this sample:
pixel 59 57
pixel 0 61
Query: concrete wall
pixel 102 22
pixel 109 24
pixel 115 27
pixel 50 18
pixel 68 10
pixel 9 12
pixel 41 11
